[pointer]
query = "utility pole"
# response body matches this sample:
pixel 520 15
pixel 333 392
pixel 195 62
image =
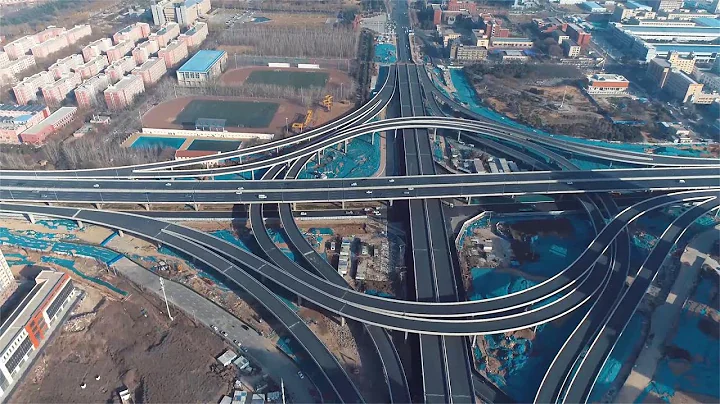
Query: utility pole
pixel 563 98
pixel 167 305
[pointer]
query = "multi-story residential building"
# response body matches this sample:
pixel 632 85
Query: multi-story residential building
pixel 63 66
pixel 448 35
pixel 4 58
pixel 26 90
pixel 123 93
pixel 15 119
pixel 684 64
pixel 144 51
pixel 183 12
pixel 15 67
pixel 464 53
pixel 117 69
pixel 57 120
pixel 511 43
pixel 165 34
pixel 92 66
pixel 44 49
pixel 479 38
pixel 20 46
pixel 7 280
pixel 55 93
pixel 49 33
pixel 203 66
pixel 659 69
pixel 195 35
pixel 27 328
pixel 681 86
pixel 77 33
pixel 87 93
pixel 151 71
pixel 607 84
pixel 577 34
pixel 116 52
pixel 132 33
pixel 96 48
pixel 560 36
pixel 572 50
pixel 174 53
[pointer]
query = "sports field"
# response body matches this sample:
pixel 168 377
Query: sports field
pixel 240 114
pixel 288 78
pixel 214 145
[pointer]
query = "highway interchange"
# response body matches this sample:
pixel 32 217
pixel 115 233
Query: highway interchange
pixel 440 314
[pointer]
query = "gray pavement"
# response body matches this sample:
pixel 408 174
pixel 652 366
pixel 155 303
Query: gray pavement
pixel 260 349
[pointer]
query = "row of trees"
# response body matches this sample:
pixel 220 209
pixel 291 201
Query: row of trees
pixel 323 42
pixel 527 71
pixel 96 152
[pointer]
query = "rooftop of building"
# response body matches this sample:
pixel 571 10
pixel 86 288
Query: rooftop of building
pixel 640 29
pixel 708 21
pixel 61 113
pixel 686 48
pixel 92 80
pixel 607 77
pixel 165 28
pixel 202 61
pixel 633 4
pixel 148 64
pixel 22 108
pixel 682 75
pixel 591 5
pixel 511 39
pixel 45 281
pixel 662 62
pixel 513 52
pixel 124 82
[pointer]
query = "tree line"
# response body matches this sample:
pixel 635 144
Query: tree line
pixel 323 42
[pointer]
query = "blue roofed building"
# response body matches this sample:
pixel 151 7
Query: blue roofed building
pixel 202 67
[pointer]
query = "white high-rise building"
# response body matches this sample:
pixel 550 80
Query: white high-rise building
pixel 7 280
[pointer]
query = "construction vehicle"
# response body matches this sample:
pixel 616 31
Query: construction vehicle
pixel 300 126
pixel 327 102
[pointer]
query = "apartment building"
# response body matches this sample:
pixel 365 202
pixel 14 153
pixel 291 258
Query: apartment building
pixel 144 51
pixel 56 121
pixel 49 33
pixel 7 280
pixel 54 93
pixel 15 119
pixel 116 52
pixel 26 90
pixel 77 33
pixel 665 5
pixel 116 70
pixel 87 94
pixel 20 46
pixel 681 86
pixel 165 34
pixel 174 53
pixel 96 48
pixel 44 49
pixel 132 33
pixel 123 93
pixel 607 84
pixel 15 67
pixel 151 71
pixel 463 53
pixel 63 66
pixel 183 12
pixel 195 35
pixel 4 58
pixel 26 329
pixel 92 67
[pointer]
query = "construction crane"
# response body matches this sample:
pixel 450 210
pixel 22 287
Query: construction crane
pixel 304 124
pixel 327 102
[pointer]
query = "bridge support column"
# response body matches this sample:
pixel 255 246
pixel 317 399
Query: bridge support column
pixel 98 205
pixel 146 206
pixel 468 200
pixel 458 139
pixel 49 203
pixel 433 132
pixel 299 300
pixel 253 174
pixel 407 334
pixel 80 224
pixel 391 202
pixel 196 206
pixel 30 217
pixel 347 142
pixel 318 155
pixel 372 139
pixel 342 204
pixel 342 321
pixel 120 233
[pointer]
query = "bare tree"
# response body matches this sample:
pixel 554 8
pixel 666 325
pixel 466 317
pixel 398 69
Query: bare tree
pixel 325 42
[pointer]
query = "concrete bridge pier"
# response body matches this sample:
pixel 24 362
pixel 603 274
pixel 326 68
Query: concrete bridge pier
pixel 343 204
pixel 342 321
pixel 80 224
pixel 300 300
pixel 433 132
pixel 30 217
pixel 146 206
pixel 97 205
pixel 196 207
pixel 347 142
pixel 469 198
pixel 120 233
pixel 49 203
pixel 391 202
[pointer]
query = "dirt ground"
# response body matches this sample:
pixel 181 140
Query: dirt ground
pixel 238 76
pixel 158 360
pixel 163 115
